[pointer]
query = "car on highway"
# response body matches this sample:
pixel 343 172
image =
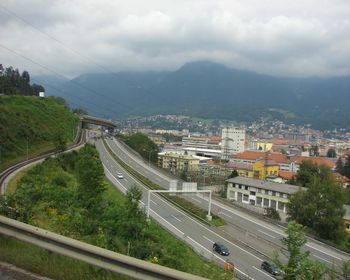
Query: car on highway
pixel 221 249
pixel 271 268
pixel 120 176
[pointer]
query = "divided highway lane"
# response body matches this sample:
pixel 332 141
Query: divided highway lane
pixel 186 228
pixel 262 236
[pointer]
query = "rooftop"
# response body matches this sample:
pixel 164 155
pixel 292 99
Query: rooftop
pixel 266 185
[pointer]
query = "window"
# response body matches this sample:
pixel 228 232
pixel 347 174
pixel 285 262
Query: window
pixel 252 193
pixel 259 190
pixel 245 197
pixel 246 188
pixel 347 226
pixel 273 193
pixel 285 195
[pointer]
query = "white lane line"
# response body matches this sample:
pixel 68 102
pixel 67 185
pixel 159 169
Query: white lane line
pixel 308 245
pixel 224 214
pixel 246 275
pixel 209 230
pixel 154 202
pixel 211 241
pixel 266 233
pixel 263 272
pixel 195 199
pixel 105 167
pixel 198 223
pixel 176 218
pixel 322 259
pixel 167 222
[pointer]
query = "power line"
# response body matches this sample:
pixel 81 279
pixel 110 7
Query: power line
pixel 109 71
pixel 58 74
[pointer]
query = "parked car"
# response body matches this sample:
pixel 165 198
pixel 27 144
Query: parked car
pixel 271 268
pixel 221 249
pixel 120 176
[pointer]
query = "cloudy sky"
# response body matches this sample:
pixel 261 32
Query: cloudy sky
pixel 70 37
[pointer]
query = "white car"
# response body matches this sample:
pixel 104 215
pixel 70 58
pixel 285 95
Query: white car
pixel 120 176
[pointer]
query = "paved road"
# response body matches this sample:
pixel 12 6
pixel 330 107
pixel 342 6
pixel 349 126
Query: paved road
pixel 199 236
pixel 257 234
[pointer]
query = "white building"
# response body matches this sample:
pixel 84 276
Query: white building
pixel 232 142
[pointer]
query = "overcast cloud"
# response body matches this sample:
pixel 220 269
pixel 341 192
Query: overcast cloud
pixel 291 38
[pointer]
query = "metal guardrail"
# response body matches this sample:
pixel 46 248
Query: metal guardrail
pixel 115 262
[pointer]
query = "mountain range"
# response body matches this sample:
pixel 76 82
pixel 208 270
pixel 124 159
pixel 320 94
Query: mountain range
pixel 209 90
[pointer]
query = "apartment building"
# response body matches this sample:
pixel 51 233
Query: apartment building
pixel 260 193
pixel 233 141
pixel 175 162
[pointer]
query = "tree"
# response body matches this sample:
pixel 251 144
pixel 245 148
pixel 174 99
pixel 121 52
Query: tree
pixel 307 171
pixel 233 174
pixel 346 169
pixel 315 151
pixel 320 207
pixel 90 177
pixel 331 153
pixel 273 214
pixel 299 265
pixel 59 142
pixel 339 166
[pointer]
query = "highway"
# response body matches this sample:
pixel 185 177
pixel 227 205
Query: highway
pixel 247 237
pixel 186 228
pixel 258 236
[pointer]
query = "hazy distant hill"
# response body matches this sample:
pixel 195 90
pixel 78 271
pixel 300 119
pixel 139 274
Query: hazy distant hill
pixel 211 90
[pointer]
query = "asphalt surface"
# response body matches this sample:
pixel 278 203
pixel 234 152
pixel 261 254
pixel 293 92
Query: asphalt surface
pixel 256 236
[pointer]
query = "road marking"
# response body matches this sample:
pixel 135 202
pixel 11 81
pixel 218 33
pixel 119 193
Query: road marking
pixel 322 259
pixel 195 199
pixel 167 222
pixel 214 233
pixel 263 272
pixel 154 202
pixel 266 233
pixel 198 223
pixel 175 218
pixel 221 213
pixel 323 252
pixel 208 239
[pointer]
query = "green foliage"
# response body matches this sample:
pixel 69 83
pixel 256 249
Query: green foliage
pixel 182 203
pixel 50 196
pixel 34 122
pixel 143 145
pixel 59 142
pixel 14 83
pixel 321 206
pixel 346 169
pixel 339 166
pixel 299 265
pixel 169 137
pixel 273 214
pixel 233 174
pixel 331 153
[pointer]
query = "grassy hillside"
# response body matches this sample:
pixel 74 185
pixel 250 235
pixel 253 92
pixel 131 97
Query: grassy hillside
pixel 29 124
pixel 68 195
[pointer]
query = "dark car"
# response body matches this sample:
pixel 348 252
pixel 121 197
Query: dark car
pixel 221 249
pixel 271 268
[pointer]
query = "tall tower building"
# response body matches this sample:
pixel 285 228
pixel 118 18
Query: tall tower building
pixel 232 141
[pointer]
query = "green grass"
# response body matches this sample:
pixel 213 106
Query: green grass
pixel 52 184
pixel 28 124
pixel 185 205
pixel 45 263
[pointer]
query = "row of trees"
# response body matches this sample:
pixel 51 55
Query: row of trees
pixel 14 83
pixel 143 145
